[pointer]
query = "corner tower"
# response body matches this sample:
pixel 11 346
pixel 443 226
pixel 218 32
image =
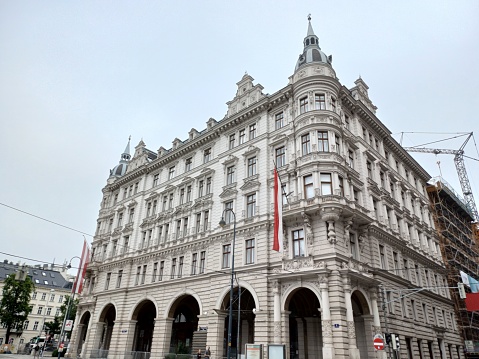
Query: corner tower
pixel 312 52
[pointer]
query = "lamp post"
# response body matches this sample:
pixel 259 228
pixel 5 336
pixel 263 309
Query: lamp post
pixel 67 314
pixel 230 315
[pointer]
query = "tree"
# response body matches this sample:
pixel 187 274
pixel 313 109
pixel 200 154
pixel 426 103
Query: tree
pixel 73 311
pixel 54 327
pixel 15 303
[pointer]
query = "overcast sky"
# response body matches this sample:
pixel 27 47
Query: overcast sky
pixel 78 77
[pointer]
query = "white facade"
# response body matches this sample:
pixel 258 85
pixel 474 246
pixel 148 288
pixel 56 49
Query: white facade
pixel 356 224
pixel 51 287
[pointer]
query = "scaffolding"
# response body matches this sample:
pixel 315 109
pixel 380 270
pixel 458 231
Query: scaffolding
pixel 459 239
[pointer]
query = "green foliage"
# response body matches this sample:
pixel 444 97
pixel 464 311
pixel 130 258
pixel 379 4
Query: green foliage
pixel 15 303
pixel 72 314
pixel 170 356
pixel 54 327
pixel 181 348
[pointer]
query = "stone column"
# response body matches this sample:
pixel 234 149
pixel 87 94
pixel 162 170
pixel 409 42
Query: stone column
pixel 161 337
pixel 353 348
pixel 277 313
pixel 285 333
pixel 326 323
pixel 215 338
pixel 373 295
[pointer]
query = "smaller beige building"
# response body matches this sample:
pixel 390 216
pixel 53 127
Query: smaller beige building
pixel 52 284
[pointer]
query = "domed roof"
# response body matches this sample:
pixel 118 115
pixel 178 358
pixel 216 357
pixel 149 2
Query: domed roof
pixel 312 52
pixel 120 169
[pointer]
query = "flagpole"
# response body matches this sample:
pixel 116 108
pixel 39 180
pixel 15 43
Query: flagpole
pixel 281 182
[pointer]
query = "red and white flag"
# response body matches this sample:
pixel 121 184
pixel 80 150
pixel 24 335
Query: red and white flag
pixel 85 259
pixel 278 214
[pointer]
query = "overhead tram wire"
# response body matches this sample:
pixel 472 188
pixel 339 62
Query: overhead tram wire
pixel 46 220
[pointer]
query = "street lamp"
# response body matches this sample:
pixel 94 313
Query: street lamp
pixel 67 314
pixel 230 315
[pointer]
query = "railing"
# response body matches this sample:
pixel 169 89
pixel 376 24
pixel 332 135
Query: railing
pixel 103 354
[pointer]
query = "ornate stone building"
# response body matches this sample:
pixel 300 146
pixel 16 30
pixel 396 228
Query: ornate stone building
pixel 358 234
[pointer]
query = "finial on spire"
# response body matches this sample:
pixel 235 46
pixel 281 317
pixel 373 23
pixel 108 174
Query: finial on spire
pixel 309 17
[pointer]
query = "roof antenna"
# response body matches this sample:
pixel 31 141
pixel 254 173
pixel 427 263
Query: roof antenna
pixel 309 17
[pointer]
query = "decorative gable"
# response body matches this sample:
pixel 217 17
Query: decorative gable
pixel 246 95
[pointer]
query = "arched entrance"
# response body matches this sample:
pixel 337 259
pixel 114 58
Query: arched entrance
pixel 108 317
pixel 305 334
pixel 244 301
pixel 144 314
pixel 362 321
pixel 185 313
pixel 82 330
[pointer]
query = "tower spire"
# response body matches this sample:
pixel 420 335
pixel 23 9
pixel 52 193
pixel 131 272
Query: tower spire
pixel 310 28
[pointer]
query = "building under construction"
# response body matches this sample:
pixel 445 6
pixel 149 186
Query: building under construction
pixel 459 236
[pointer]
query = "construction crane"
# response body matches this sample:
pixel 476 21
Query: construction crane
pixel 461 171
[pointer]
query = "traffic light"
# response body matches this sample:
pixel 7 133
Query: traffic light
pixel 398 343
pixel 462 291
pixel 388 338
pixel 393 341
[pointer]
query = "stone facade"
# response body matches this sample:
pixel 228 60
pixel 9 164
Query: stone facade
pixel 358 236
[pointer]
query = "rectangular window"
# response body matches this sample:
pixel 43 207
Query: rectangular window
pixel 143 274
pixel 278 120
pixel 49 311
pixel 333 104
pixel 303 105
pixel 120 219
pixel 208 185
pixel 34 295
pixel 165 201
pixel 351 159
pixel 148 209
pixel 242 136
pixel 308 186
pixel 178 228
pixel 188 194
pixel 118 279
pixel 198 222
pixel 137 278
pixel 171 172
pixel 207 155
pixel 35 326
pixel 173 268
pixel 323 142
pixel 226 256
pixel 131 215
pixel 252 131
pixel 155 272
pixel 201 186
pixel 406 270
pixel 107 281
pixel 249 245
pixel 188 163
pixel 40 309
pixel 230 175
pixel 231 143
pixel 136 187
pixel 26 322
pixel 44 296
pixel 194 263
pixel 185 226
pixel 413 307
pixel 180 266
pixel 182 195
pixel 206 219
pixel 153 209
pixel 353 245
pixel 228 214
pixel 298 243
pixel 396 263
pixel 341 186
pixel 250 205
pixel 326 184
pixel 369 167
pixel 319 101
pixel 170 201
pixel 162 268
pixel 251 166
pixel 381 179
pixel 382 257
pixel 202 262
pixel 60 299
pixel 156 179
pixel 280 156
pixel 305 144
